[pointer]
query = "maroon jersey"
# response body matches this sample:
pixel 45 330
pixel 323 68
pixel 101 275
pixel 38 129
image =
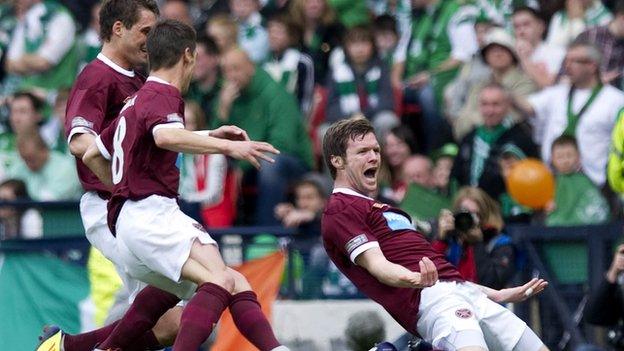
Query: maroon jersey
pixel 353 223
pixel 139 167
pixel 99 93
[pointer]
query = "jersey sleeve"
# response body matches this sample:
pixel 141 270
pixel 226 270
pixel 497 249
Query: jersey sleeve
pixel 86 112
pixel 350 233
pixel 104 141
pixel 164 113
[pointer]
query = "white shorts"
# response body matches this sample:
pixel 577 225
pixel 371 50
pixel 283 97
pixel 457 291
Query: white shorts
pixel 154 241
pixel 448 308
pixel 93 212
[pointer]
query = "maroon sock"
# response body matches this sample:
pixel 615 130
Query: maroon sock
pixel 87 341
pixel 200 316
pixel 251 322
pixel 149 305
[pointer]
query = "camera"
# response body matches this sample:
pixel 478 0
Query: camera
pixel 464 221
pixel 615 338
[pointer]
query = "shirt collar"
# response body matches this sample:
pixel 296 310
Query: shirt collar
pixel 157 80
pixel 114 66
pixel 351 192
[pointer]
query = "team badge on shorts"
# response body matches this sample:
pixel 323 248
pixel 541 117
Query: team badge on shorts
pixel 463 313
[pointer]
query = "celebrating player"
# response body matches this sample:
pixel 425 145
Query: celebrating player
pixel 378 249
pixel 157 243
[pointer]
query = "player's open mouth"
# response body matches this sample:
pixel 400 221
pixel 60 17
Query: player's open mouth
pixel 370 173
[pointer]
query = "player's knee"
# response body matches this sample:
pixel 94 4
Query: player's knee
pixel 240 282
pixel 223 279
pixel 168 326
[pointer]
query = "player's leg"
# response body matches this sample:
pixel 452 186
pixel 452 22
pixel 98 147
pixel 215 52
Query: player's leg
pixel 248 317
pixel 205 268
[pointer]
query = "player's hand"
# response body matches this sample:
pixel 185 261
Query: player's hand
pixel 520 293
pixel 283 209
pixel 428 274
pixel 230 133
pixel 251 151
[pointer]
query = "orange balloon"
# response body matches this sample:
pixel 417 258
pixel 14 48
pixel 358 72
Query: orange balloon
pixel 531 184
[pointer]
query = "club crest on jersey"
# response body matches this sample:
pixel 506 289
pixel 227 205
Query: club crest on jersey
pixel 463 313
pixel 397 221
pixel 81 122
pixel 174 117
pixel 355 242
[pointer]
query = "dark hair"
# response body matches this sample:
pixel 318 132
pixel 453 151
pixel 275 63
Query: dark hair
pixel 533 12
pixel 208 43
pixel 167 41
pixel 385 23
pixel 564 140
pixel 405 134
pixel 618 8
pixel 17 186
pixel 295 32
pixel 36 102
pixel 338 135
pixel 125 11
pixel 359 33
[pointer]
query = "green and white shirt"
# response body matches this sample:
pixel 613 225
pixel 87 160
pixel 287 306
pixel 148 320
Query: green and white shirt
pixel 563 30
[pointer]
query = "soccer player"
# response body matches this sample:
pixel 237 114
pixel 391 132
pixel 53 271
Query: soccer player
pixel 157 243
pixel 378 249
pixel 99 93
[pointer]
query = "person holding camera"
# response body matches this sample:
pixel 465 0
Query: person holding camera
pixel 471 238
pixel 605 306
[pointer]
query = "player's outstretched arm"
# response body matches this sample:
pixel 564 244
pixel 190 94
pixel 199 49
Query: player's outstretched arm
pixel 374 261
pixel 515 294
pixel 98 164
pixel 181 140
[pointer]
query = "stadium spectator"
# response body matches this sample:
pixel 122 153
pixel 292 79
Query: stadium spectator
pixel 399 11
pixel 471 73
pixel 18 222
pixel 540 60
pixel 577 200
pixel 43 49
pixel 605 306
pixel 399 145
pixel 443 160
pixel 428 58
pixel 52 130
pixel 418 169
pixel 472 239
pixel 499 13
pixel 306 209
pixel 321 32
pixel 577 15
pixel 502 60
pixel 206 85
pixel 351 13
pixel 364 330
pixel 609 39
pixel 377 247
pixel 25 112
pixel 251 100
pixel 89 42
pixel 359 82
pixel 202 177
pixel 386 37
pixel 252 36
pixel 286 64
pixel 477 161
pixel 583 108
pixel 224 30
pixel 48 175
pixel 7 24
pixel 177 10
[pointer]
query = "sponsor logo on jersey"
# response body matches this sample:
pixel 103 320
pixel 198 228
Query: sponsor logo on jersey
pixel 355 242
pixel 79 121
pixel 397 221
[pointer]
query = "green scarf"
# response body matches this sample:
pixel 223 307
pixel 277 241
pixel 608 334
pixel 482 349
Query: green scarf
pixel 347 89
pixel 481 147
pixel 284 70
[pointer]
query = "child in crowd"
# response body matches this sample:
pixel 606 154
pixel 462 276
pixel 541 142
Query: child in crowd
pixel 359 82
pixel 577 200
pixel 287 64
pixel 22 223
pixel 386 37
pixel 252 36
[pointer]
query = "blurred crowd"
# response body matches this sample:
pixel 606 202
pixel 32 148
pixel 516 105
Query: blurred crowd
pixel 459 91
